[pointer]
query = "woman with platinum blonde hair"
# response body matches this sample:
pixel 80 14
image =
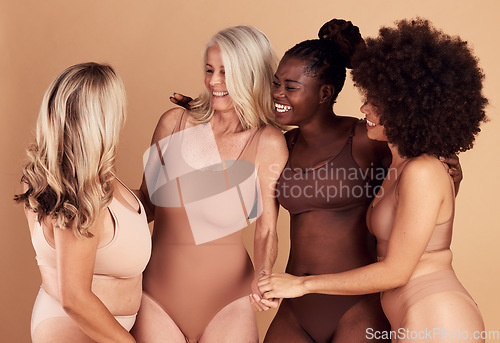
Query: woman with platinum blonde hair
pixel 249 69
pixel 88 230
pixel 209 173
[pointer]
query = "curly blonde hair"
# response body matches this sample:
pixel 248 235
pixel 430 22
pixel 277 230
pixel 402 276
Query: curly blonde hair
pixel 69 168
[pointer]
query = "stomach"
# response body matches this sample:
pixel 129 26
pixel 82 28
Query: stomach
pixel 121 296
pixel 330 242
pixel 181 269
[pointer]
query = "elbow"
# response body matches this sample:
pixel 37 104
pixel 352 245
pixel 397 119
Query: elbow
pixel 396 275
pixel 400 279
pixel 71 301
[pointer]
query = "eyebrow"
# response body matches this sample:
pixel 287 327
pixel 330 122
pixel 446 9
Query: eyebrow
pixel 288 80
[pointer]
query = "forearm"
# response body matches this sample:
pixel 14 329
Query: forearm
pixel 95 320
pixel 373 278
pixel 265 251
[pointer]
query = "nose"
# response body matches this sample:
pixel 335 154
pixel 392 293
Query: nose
pixel 277 91
pixel 216 79
pixel 364 108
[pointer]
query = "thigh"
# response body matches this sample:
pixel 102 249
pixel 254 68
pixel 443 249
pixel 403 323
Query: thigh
pixel 362 321
pixel 154 325
pixel 447 316
pixel 59 330
pixel 285 328
pixel 236 322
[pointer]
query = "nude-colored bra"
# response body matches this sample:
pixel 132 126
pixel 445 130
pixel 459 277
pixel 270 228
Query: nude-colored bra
pixel 125 256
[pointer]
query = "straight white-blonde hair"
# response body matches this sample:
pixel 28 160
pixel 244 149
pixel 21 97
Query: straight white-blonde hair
pixel 69 169
pixel 249 65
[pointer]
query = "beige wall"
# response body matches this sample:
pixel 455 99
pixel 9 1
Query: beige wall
pixel 156 46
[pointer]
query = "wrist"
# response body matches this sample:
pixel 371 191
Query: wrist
pixel 307 284
pixel 262 271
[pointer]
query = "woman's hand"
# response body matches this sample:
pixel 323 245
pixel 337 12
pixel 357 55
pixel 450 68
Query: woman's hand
pixel 279 285
pixel 454 169
pixel 181 100
pixel 259 303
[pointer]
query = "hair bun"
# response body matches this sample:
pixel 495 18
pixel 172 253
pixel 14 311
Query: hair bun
pixel 343 34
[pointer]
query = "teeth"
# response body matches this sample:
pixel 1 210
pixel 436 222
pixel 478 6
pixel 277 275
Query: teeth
pixel 282 108
pixel 370 123
pixel 220 93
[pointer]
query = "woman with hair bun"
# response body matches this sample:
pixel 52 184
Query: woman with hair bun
pixel 331 176
pixel 423 92
pixel 89 231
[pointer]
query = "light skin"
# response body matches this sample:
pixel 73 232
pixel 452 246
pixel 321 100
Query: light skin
pixel 87 301
pixel 231 139
pixel 424 201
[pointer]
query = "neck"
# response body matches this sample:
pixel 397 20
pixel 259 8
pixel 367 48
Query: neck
pixel 321 125
pixel 397 159
pixel 226 122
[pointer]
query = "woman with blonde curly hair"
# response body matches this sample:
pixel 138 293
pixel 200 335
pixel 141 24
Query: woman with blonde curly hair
pixel 208 174
pixel 89 231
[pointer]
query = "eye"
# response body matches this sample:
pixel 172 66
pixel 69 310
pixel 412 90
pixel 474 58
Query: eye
pixel 276 84
pixel 209 71
pixel 290 88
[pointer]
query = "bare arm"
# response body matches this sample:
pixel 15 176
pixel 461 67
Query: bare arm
pixel 75 267
pixel 164 128
pixel 421 190
pixel 272 157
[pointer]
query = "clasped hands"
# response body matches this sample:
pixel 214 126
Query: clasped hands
pixel 271 287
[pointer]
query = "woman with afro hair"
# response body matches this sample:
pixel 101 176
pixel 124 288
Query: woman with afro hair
pixel 423 91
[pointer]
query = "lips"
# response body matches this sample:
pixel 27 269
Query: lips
pixel 280 108
pixel 219 94
pixel 370 123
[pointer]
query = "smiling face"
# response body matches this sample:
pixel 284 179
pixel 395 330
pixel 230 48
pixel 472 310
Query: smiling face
pixel 215 80
pixel 375 130
pixel 296 95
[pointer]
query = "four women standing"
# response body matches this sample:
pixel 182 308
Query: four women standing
pixel 196 283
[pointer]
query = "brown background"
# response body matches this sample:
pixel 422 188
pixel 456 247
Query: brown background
pixel 156 46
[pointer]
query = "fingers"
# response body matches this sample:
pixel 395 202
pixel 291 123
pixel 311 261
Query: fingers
pixel 257 303
pixel 264 284
pixel 452 161
pixel 271 303
pixel 181 100
pixel 454 167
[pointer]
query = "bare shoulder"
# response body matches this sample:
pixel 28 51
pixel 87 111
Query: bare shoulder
pixel 424 172
pixel 271 147
pixel 166 123
pixel 271 137
pixel 169 118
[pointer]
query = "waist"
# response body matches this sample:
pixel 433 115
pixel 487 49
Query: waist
pixel 174 226
pixel 323 242
pixel 180 270
pixel 432 262
pixel 122 296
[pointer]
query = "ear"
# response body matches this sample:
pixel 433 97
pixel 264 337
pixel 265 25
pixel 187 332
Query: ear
pixel 326 93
